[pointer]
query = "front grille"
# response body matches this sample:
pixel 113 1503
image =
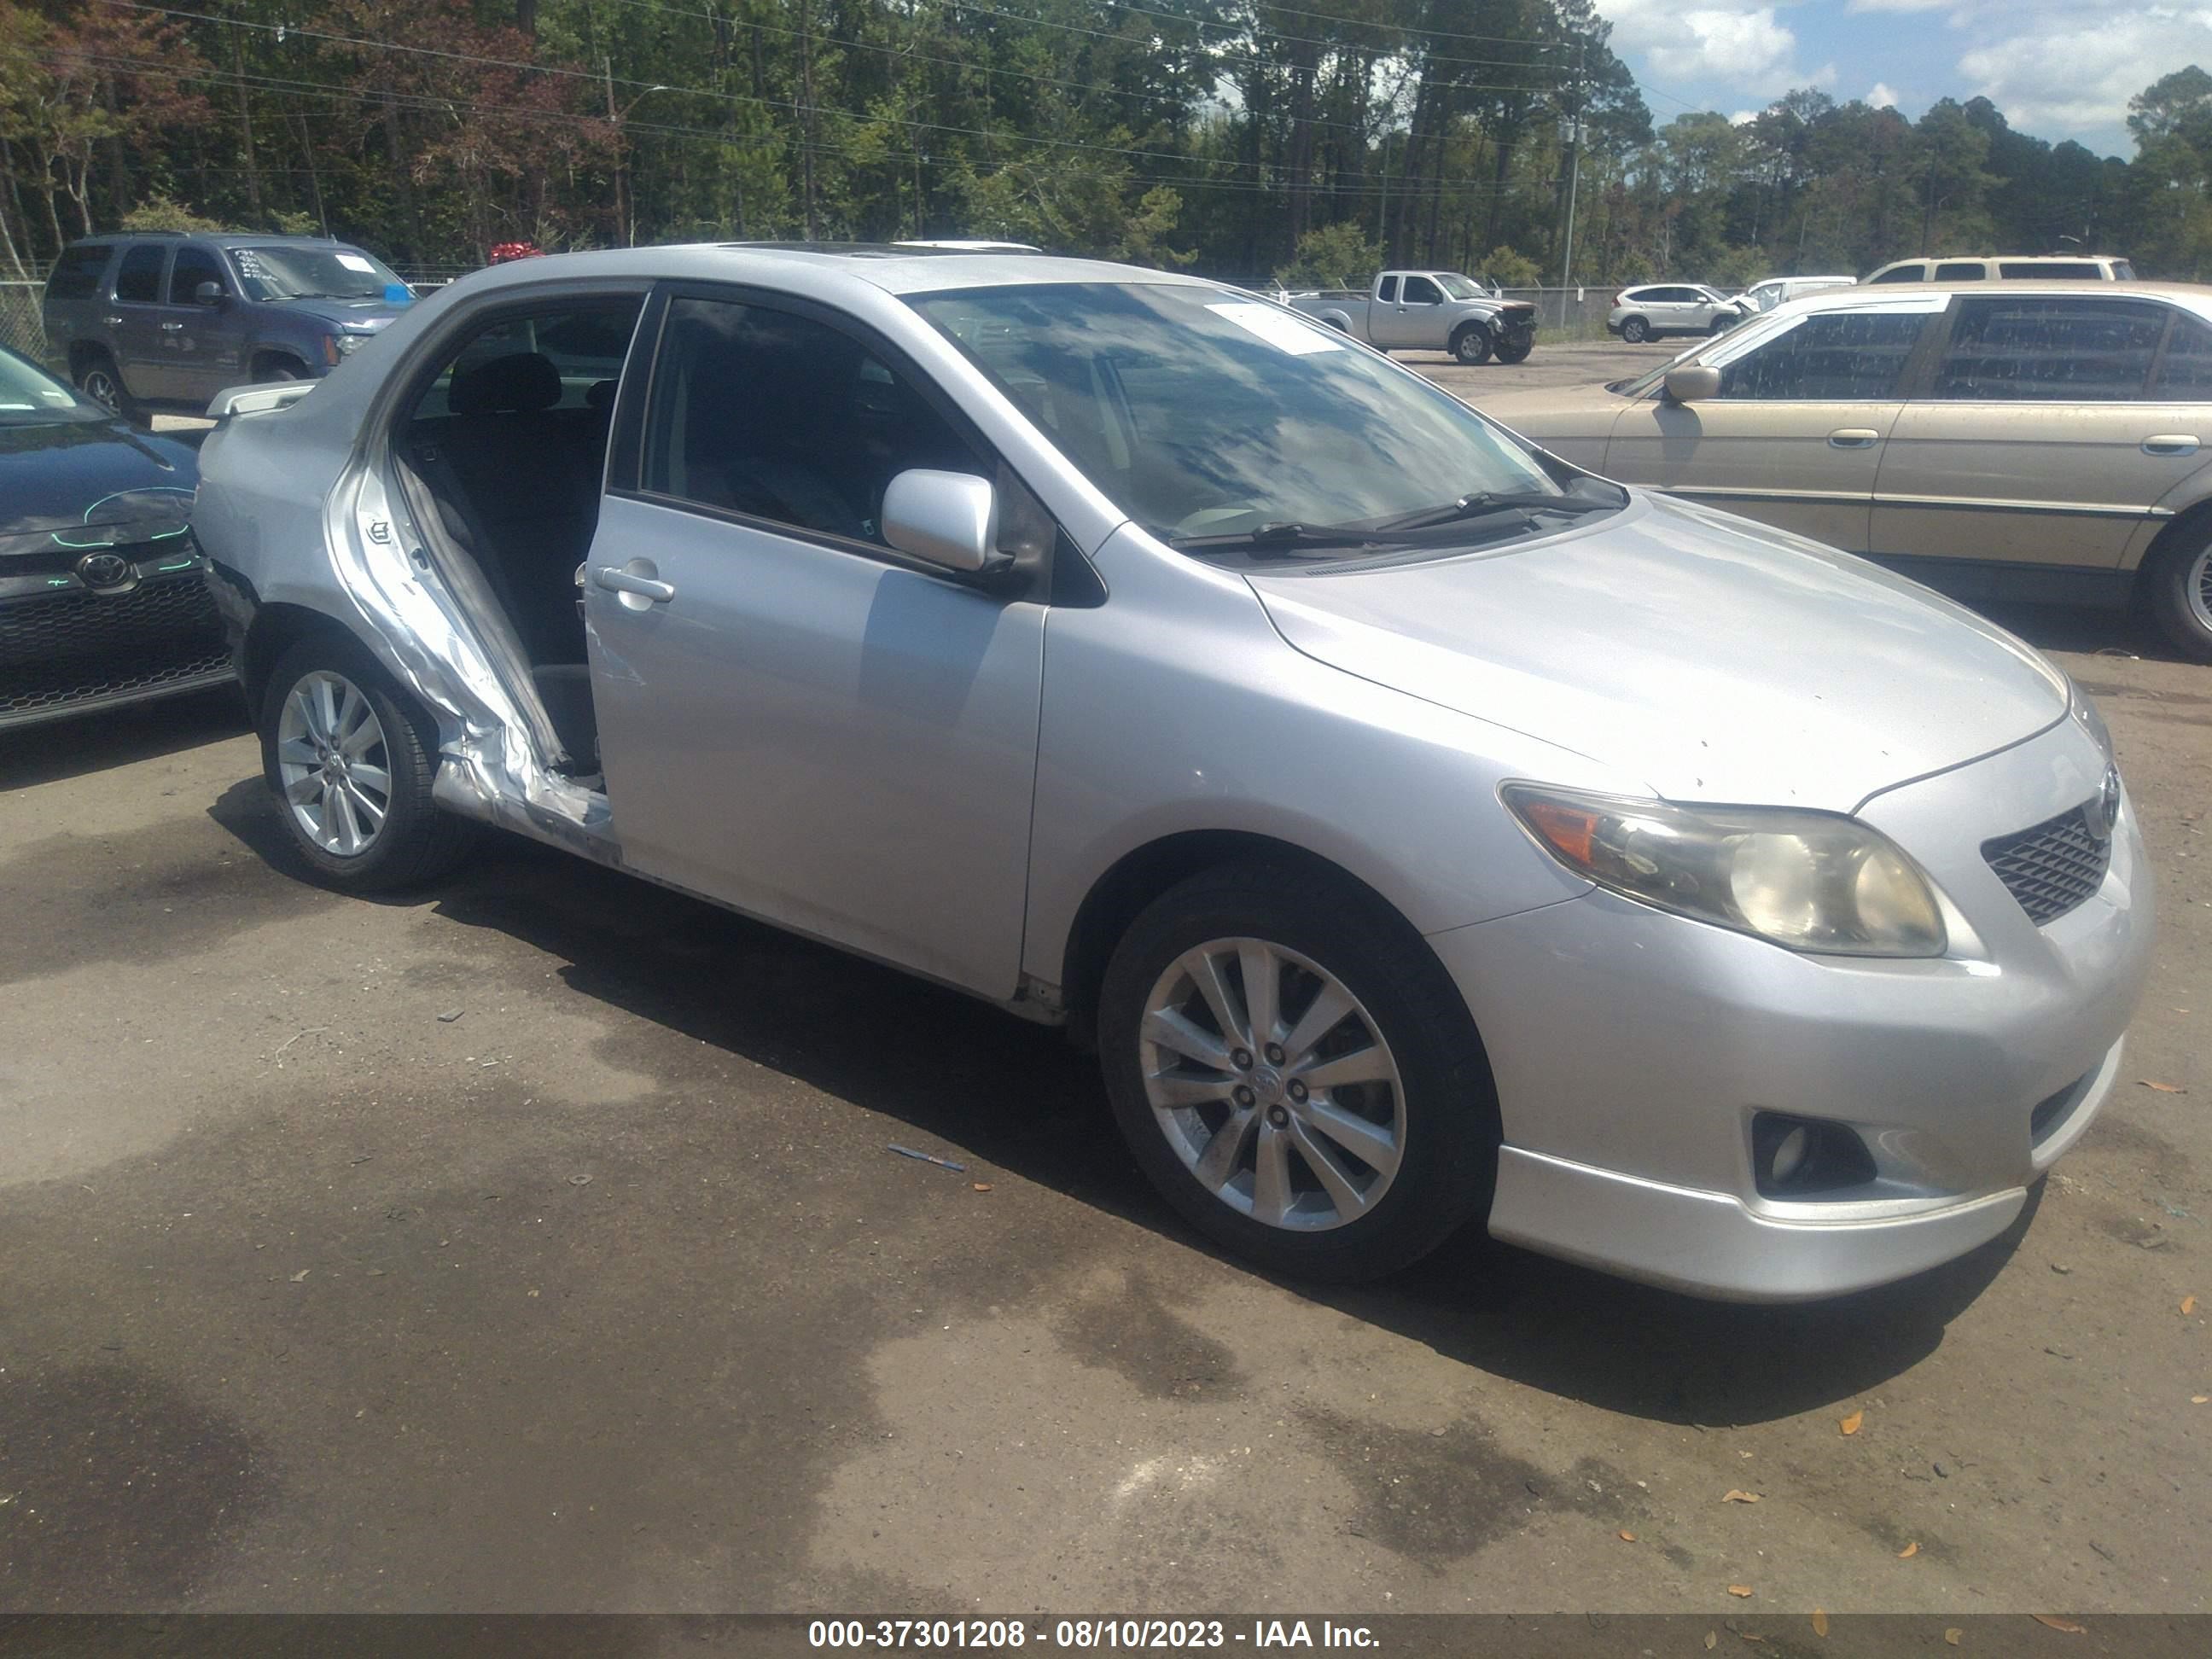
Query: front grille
pixel 2051 866
pixel 63 649
pixel 76 624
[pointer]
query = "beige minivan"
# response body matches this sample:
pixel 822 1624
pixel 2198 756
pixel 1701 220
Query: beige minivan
pixel 2041 441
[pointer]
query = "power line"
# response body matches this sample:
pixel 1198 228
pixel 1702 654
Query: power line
pixel 627 82
pixel 438 104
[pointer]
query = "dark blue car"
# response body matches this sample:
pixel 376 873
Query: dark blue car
pixel 163 317
pixel 102 600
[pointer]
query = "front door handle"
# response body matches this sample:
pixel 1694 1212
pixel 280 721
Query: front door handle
pixel 632 583
pixel 2171 443
pixel 172 328
pixel 1854 437
pixel 113 322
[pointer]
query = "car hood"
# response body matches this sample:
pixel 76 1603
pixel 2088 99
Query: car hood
pixel 1712 659
pixel 83 476
pixel 357 316
pixel 1577 412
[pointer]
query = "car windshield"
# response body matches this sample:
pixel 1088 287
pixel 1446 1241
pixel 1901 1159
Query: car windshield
pixel 1460 287
pixel 280 272
pixel 31 396
pixel 1205 413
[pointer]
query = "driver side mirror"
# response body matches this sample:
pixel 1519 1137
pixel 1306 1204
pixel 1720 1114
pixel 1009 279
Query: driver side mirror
pixel 950 519
pixel 208 294
pixel 1689 383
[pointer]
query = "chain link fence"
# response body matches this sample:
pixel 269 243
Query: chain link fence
pixel 1568 314
pixel 19 327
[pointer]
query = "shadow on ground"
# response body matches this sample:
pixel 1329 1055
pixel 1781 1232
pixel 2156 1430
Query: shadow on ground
pixel 1018 1097
pixel 83 744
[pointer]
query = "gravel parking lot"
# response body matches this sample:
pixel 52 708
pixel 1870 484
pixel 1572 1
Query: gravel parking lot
pixel 532 1243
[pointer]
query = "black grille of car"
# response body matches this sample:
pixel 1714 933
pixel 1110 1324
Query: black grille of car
pixel 2051 866
pixel 76 624
pixel 60 649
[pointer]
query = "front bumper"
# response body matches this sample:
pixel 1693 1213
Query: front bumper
pixel 67 648
pixel 1631 1048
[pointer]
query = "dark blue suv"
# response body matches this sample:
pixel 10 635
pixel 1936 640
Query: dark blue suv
pixel 167 317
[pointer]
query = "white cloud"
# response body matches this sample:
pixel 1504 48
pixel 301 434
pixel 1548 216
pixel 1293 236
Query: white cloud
pixel 1745 46
pixel 2077 70
pixel 1900 5
pixel 1879 96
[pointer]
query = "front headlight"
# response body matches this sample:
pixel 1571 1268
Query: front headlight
pixel 1816 882
pixel 335 346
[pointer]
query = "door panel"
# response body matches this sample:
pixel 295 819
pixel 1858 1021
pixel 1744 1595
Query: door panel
pixel 1772 462
pixel 205 345
pixel 825 741
pixel 1412 320
pixel 2039 442
pixel 1796 437
pixel 140 354
pixel 2029 484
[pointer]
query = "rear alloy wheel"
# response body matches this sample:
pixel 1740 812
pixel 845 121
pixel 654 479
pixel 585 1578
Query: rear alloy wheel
pixel 351 763
pixel 2181 596
pixel 1295 1073
pixel 1635 331
pixel 1472 344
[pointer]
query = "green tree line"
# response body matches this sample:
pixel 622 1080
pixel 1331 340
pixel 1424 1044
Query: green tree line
pixel 1247 140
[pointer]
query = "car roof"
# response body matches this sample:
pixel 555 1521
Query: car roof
pixel 892 269
pixel 2084 287
pixel 220 238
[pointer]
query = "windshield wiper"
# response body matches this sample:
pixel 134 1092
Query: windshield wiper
pixel 1281 537
pixel 1486 501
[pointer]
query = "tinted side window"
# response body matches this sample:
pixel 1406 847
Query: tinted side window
pixel 1388 292
pixel 2064 350
pixel 1902 274
pixel 1420 291
pixel 2122 271
pixel 2049 270
pixel 1835 355
pixel 77 272
pixel 1964 271
pixel 2185 372
pixel 777 416
pixel 191 267
pixel 140 277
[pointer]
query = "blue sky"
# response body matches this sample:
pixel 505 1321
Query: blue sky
pixel 2058 69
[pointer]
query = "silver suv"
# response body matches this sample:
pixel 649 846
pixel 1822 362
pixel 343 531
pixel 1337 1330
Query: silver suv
pixel 1424 831
pixel 1662 308
pixel 165 317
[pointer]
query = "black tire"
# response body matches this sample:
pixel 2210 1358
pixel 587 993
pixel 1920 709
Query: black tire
pixel 1515 347
pixel 417 841
pixel 276 371
pixel 2177 584
pixel 1472 345
pixel 98 378
pixel 1448 1157
pixel 1635 330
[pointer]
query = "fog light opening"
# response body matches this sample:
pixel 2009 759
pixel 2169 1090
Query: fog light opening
pixel 1803 1158
pixel 1790 1155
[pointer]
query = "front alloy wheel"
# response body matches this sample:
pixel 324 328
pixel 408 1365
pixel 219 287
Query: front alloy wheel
pixel 333 764
pixel 1296 1073
pixel 1272 1084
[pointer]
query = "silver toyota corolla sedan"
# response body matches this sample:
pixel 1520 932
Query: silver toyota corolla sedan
pixel 1425 832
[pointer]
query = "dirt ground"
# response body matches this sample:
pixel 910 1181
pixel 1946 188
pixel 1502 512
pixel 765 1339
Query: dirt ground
pixel 533 1244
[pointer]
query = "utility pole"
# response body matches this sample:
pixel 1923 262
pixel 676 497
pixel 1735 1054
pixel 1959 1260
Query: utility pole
pixel 1574 135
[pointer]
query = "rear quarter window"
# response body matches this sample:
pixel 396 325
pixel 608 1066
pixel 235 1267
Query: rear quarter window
pixel 77 273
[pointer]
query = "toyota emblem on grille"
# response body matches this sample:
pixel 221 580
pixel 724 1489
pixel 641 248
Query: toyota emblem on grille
pixel 2106 812
pixel 103 569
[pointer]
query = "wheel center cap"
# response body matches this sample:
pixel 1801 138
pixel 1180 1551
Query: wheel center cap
pixel 1268 1081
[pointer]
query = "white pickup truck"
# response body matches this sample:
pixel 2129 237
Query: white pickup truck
pixel 1429 311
